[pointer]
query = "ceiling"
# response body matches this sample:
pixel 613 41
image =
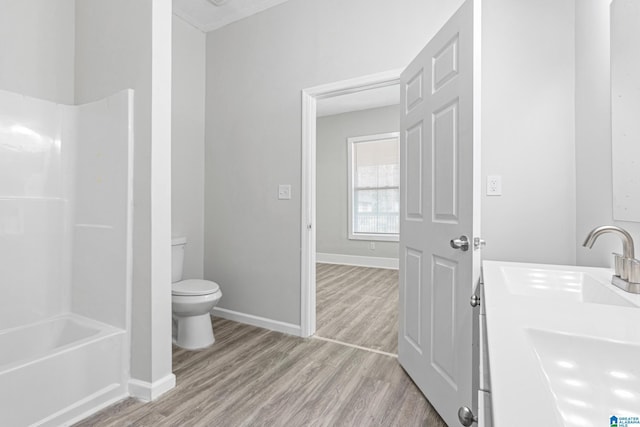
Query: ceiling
pixel 206 15
pixel 363 100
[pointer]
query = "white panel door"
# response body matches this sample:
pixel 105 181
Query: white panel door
pixel 439 199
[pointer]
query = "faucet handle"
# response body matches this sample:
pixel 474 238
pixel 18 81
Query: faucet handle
pixel 620 269
pixel 633 270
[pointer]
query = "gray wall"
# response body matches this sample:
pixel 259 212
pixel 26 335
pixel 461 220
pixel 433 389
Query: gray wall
pixel 332 181
pixel 37 40
pixel 528 125
pixel 256 69
pixel 187 143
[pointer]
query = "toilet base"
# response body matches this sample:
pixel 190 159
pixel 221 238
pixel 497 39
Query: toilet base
pixel 193 332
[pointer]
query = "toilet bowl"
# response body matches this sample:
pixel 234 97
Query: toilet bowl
pixel 191 303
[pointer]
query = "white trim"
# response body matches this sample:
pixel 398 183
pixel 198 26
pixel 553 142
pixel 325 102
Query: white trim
pixel 126 346
pixel 261 322
pixel 308 190
pixel 359 261
pixel 308 232
pixel 147 391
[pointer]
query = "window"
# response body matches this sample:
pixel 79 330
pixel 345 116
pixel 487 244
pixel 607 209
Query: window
pixel 374 191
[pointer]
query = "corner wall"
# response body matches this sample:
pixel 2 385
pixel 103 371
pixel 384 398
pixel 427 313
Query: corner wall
pixel 187 143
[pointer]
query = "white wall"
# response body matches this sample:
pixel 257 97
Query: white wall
pixel 127 44
pixel 37 48
pixel 593 134
pixel 528 88
pixel 256 69
pixel 332 209
pixel 187 143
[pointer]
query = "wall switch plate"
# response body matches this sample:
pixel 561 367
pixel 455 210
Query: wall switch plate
pixel 494 185
pixel 372 246
pixel 284 192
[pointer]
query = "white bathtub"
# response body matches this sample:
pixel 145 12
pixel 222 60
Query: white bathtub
pixel 58 370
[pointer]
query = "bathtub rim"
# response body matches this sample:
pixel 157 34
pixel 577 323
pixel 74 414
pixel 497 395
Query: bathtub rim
pixel 103 330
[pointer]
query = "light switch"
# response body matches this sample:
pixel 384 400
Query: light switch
pixel 284 192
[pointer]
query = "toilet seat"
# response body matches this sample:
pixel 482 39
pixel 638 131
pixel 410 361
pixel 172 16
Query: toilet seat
pixel 194 287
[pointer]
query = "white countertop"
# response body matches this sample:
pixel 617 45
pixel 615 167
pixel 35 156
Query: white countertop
pixel 554 359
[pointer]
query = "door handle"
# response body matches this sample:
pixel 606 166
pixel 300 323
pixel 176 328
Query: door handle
pixel 461 243
pixel 466 417
pixel 475 300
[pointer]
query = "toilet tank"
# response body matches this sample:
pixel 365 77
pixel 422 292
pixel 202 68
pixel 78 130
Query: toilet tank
pixel 177 258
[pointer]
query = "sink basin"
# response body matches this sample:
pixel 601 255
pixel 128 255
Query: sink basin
pixel 576 286
pixel 590 378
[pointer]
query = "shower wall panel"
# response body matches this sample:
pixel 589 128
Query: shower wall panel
pixel 35 170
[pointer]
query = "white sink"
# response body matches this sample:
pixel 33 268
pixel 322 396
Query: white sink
pixel 589 377
pixel 576 286
pixel 564 345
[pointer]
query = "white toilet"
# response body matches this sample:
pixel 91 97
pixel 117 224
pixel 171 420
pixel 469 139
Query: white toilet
pixel 191 303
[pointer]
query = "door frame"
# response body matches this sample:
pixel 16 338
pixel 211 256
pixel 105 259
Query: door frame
pixel 310 96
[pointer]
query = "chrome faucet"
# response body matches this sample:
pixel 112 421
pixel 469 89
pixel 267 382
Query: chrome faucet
pixel 627 240
pixel 627 268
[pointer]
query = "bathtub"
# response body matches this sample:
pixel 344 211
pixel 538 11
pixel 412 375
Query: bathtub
pixel 56 371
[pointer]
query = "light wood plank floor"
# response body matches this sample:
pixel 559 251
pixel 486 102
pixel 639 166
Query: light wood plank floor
pixel 255 377
pixel 358 305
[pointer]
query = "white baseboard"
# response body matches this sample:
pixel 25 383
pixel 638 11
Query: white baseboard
pixel 261 322
pixel 360 261
pixel 147 391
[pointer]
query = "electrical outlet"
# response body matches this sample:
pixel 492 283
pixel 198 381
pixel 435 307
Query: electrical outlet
pixel 372 246
pixel 494 185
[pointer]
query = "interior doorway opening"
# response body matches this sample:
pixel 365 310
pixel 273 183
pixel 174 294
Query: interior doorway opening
pixel 313 99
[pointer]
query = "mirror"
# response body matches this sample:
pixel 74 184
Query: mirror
pixel 625 109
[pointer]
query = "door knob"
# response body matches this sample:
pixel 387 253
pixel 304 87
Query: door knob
pixel 475 300
pixel 466 417
pixel 461 243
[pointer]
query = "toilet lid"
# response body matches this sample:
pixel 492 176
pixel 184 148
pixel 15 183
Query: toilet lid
pixel 194 287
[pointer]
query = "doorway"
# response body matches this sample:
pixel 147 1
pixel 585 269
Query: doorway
pixel 310 98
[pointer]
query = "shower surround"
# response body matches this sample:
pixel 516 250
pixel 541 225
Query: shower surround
pixel 65 257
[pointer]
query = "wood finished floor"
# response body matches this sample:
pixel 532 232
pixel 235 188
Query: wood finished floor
pixel 255 377
pixel 358 305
